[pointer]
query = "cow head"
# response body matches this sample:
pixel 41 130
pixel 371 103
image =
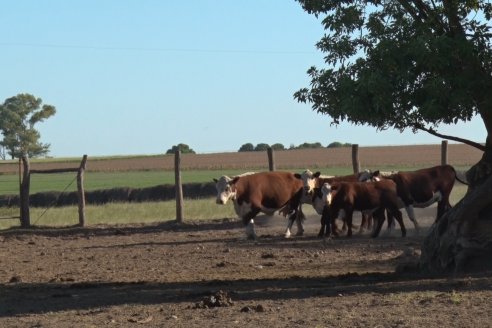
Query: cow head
pixel 326 191
pixel 225 190
pixel 308 180
pixel 368 175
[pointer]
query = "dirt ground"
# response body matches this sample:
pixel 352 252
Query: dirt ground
pixel 208 275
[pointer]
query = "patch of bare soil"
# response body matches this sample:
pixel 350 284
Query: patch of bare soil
pixel 208 275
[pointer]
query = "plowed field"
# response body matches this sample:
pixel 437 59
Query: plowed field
pixel 369 157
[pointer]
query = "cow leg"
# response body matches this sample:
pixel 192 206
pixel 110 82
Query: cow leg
pixel 365 222
pixel 399 218
pixel 300 222
pixel 290 222
pixel 344 226
pixel 325 229
pixel 348 217
pixel 249 223
pixel 390 218
pixel 378 215
pixel 411 215
pixel 442 206
pixel 298 216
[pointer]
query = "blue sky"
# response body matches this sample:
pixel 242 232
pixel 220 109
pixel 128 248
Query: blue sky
pixel 136 77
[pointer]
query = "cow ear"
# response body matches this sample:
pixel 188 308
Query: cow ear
pixel 215 180
pixel 376 173
pixel 297 175
pixel 233 180
pixel 317 174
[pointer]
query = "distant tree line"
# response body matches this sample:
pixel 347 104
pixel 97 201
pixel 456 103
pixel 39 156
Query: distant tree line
pixel 279 146
pixel 185 149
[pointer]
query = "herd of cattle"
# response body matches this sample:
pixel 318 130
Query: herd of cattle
pixel 378 196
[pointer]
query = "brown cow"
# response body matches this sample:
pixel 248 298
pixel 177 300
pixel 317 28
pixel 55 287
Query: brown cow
pixel 368 197
pixel 312 186
pixel 421 188
pixel 265 192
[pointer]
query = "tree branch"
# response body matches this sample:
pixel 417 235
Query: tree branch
pixel 443 136
pixel 410 10
pixel 451 12
pixel 422 13
pixel 430 15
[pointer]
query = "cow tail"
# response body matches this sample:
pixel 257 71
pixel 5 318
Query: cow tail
pixel 458 178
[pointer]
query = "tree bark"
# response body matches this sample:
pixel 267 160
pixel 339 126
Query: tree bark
pixel 461 241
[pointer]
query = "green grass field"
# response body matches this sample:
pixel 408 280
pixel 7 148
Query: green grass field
pixel 132 213
pixel 9 183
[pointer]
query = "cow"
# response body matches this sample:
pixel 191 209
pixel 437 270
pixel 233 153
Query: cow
pixel 313 182
pixel 266 192
pixel 423 187
pixel 370 198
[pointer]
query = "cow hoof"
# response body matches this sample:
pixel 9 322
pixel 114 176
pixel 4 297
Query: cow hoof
pixel 251 237
pixel 287 235
pixel 300 233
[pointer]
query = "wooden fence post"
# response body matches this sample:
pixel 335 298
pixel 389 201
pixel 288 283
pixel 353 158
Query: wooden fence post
pixel 444 152
pixel 178 186
pixel 24 194
pixel 271 159
pixel 355 158
pixel 80 191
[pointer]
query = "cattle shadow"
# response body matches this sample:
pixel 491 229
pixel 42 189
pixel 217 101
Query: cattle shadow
pixel 18 299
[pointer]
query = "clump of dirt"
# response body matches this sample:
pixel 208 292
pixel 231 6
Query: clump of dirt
pixel 218 299
pixel 256 308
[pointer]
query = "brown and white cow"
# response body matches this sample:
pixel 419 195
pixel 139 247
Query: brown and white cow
pixel 423 187
pixel 266 192
pixel 370 198
pixel 312 186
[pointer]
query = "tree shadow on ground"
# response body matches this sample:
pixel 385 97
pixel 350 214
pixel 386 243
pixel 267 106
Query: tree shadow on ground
pixel 24 299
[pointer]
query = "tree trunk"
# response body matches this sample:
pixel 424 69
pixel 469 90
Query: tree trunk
pixel 461 241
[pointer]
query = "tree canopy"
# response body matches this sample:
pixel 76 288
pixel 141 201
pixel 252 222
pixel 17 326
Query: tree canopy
pixel 278 146
pixel 247 147
pixel 337 144
pixel 183 148
pixel 414 64
pixel 403 64
pixel 262 147
pixel 18 115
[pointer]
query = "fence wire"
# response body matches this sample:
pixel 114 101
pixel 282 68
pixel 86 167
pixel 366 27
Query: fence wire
pixel 50 206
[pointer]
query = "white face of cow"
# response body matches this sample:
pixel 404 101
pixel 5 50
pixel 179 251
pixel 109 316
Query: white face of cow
pixel 327 193
pixel 309 180
pixel 224 190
